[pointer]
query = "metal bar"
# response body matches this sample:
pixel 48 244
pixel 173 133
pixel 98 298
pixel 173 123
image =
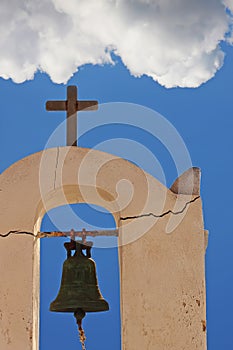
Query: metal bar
pixel 81 234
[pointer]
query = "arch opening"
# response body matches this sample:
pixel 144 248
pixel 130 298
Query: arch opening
pixel 103 329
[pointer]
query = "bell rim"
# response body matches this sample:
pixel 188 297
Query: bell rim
pixel 88 306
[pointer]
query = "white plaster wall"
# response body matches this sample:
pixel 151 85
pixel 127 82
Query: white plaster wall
pixel 159 272
pixel 163 286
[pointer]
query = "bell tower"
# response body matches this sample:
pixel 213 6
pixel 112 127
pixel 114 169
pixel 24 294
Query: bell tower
pixel 162 276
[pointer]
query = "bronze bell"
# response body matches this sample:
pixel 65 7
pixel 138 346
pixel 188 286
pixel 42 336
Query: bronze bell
pixel 79 291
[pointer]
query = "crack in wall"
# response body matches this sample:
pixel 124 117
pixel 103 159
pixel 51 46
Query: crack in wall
pixel 55 174
pixel 4 235
pixel 18 232
pixel 163 214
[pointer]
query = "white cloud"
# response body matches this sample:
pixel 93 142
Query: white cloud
pixel 176 42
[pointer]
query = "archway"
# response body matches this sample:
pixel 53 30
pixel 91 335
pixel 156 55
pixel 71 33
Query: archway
pixel 58 328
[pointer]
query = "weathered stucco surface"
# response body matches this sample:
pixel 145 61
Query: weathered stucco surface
pixel 163 287
pixel 161 246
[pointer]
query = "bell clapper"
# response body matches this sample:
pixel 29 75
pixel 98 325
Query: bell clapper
pixel 79 315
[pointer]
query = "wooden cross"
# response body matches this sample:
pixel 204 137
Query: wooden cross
pixel 71 106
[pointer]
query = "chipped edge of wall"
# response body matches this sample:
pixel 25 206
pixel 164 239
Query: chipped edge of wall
pixel 36 291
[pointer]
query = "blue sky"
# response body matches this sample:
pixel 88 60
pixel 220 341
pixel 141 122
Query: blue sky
pixel 203 118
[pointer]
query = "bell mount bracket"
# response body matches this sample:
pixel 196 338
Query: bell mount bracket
pixel 78 246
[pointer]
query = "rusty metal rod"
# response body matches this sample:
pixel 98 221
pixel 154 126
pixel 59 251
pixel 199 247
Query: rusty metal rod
pixel 81 234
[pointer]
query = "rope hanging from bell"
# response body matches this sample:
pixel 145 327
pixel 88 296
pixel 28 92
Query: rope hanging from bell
pixel 79 314
pixel 82 336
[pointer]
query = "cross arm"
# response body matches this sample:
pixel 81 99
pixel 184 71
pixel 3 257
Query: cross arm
pixel 87 105
pixel 56 105
pixel 80 105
